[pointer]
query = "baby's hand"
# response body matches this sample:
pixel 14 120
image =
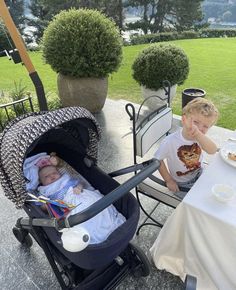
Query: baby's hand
pixel 172 185
pixel 54 160
pixel 78 189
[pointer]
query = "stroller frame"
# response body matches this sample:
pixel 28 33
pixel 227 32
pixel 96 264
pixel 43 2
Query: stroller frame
pixel 66 272
pixel 131 260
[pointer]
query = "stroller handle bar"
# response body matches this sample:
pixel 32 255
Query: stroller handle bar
pixel 131 168
pixel 99 205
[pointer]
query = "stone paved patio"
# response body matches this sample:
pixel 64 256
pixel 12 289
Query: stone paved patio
pixel 26 269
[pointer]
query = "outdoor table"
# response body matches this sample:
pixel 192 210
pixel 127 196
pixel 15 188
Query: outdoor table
pixel 199 238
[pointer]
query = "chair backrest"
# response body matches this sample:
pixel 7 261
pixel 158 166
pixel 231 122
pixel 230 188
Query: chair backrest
pixel 150 123
pixel 14 109
pixel 155 126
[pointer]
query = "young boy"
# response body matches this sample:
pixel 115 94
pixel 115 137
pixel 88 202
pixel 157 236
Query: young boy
pixel 183 149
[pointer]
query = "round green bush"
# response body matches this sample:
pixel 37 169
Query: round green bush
pixel 82 43
pixel 161 62
pixel 4 36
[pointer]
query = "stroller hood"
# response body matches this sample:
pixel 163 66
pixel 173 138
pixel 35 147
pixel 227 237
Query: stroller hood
pixel 20 137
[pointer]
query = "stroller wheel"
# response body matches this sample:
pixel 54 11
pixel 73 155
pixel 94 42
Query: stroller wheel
pixel 143 266
pixel 23 237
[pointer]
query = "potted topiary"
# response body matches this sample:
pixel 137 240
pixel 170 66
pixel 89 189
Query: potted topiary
pixel 156 64
pixel 83 47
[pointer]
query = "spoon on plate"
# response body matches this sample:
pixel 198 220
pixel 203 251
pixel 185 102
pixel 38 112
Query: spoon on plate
pixel 232 139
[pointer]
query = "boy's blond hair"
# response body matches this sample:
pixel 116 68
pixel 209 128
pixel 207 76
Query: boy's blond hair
pixel 201 106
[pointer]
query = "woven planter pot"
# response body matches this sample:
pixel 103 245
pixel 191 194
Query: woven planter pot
pixel 89 93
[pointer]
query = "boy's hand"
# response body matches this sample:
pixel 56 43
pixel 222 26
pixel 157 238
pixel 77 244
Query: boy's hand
pixel 191 129
pixel 172 185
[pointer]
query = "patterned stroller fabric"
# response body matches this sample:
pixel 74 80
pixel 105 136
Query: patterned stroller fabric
pixel 19 135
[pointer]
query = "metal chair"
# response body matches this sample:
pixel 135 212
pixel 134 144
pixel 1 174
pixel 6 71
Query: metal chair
pixel 149 127
pixel 14 109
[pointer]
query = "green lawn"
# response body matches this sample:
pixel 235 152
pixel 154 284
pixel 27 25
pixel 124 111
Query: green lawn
pixel 212 68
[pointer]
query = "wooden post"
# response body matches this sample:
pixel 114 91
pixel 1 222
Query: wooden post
pixel 19 44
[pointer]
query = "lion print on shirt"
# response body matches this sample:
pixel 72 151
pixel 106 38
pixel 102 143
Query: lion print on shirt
pixel 189 155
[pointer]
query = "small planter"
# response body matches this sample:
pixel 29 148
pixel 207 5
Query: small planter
pixel 157 63
pixel 190 94
pixel 155 103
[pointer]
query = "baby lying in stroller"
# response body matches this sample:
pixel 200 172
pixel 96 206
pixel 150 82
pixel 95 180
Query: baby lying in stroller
pixel 61 186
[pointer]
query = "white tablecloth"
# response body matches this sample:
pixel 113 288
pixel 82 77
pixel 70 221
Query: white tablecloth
pixel 199 238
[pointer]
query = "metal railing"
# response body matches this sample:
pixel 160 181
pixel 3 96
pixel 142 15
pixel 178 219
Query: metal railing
pixel 14 109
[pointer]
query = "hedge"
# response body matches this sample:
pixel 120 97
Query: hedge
pixel 168 36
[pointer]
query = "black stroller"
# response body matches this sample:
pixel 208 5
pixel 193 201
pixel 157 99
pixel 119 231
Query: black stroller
pixel 73 133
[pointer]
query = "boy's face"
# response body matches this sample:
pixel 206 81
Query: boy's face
pixel 48 175
pixel 203 123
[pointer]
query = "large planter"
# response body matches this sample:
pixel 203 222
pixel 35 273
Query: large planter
pixel 153 102
pixel 190 94
pixel 89 93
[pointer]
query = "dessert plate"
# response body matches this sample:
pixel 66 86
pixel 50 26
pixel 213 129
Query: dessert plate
pixel 224 153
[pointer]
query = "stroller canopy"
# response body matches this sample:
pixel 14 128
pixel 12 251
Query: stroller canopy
pixel 20 137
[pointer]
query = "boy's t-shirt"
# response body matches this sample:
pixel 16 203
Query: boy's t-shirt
pixel 184 157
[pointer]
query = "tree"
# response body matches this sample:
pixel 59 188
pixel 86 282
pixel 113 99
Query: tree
pixel 157 15
pixel 16 9
pixel 114 10
pixel 44 10
pixel 38 21
pixel 5 39
pixel 186 14
pixel 153 14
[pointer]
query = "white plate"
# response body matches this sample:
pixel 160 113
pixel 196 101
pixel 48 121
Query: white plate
pixel 225 150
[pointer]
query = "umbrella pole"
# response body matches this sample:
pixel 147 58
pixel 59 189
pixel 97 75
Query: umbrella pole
pixel 19 43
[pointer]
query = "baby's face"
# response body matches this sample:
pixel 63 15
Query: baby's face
pixel 48 175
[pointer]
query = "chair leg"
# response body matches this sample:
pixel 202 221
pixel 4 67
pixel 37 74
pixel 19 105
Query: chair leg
pixel 148 216
pixel 148 224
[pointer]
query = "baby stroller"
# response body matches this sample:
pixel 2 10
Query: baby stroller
pixel 73 133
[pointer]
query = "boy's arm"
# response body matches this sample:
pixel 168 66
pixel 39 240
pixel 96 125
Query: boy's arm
pixel 170 182
pixel 206 143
